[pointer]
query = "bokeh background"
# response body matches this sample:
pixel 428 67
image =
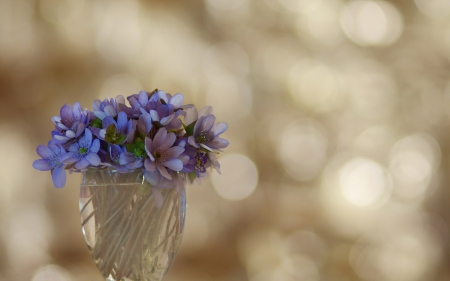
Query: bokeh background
pixel 338 114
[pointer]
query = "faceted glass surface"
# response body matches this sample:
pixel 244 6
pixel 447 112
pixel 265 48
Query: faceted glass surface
pixel 129 235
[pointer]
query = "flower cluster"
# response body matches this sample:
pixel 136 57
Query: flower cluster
pixel 155 132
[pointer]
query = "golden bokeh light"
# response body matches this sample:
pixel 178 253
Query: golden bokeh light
pixel 118 84
pixel 245 179
pixel 303 149
pixel 414 160
pixel 316 86
pixel 364 182
pixel 435 9
pixel 338 119
pixel 372 22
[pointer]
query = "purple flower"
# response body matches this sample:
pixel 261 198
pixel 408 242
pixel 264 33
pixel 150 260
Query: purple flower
pixel 50 161
pixel 173 103
pixel 144 124
pixel 107 107
pixel 206 134
pixel 114 153
pixel 204 160
pixel 161 153
pixel 133 155
pixel 70 124
pixel 121 131
pixel 138 104
pixel 191 114
pixel 83 153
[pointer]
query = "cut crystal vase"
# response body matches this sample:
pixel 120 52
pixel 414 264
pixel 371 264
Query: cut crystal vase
pixel 132 227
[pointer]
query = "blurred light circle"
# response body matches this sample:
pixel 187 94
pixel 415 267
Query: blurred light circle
pixel 226 58
pixel 227 10
pixel 120 84
pixel 371 22
pixel 11 164
pixel 117 30
pixel 372 92
pixel 52 273
pixel 306 243
pixel 61 12
pixel 375 257
pixel 232 94
pixel 435 9
pixel 323 23
pixel 239 177
pixel 363 182
pixel 413 161
pixel 302 267
pixel 316 86
pixel 260 248
pixel 226 4
pixel 303 149
pixel 280 56
pixel 301 6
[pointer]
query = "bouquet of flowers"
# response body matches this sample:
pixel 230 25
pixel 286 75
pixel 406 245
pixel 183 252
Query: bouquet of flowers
pixel 126 151
pixel 155 133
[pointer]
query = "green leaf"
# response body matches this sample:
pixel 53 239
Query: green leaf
pixel 121 138
pixel 111 130
pixel 192 176
pixel 189 129
pixel 112 136
pixel 131 147
pixel 140 144
pixel 97 123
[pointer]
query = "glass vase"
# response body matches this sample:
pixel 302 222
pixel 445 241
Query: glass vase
pixel 132 228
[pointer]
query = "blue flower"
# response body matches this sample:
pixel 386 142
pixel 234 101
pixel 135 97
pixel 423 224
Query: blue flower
pixel 138 104
pixel 83 153
pixel 107 107
pixel 206 134
pixel 50 161
pixel 118 132
pixel 115 151
pixel 70 124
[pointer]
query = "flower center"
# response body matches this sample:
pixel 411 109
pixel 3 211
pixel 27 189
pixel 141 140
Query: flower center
pixel 200 163
pixel 139 153
pixel 159 156
pixel 82 150
pixel 201 137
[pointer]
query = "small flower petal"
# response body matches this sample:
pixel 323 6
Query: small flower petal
pixel 159 138
pixel 59 177
pixel 174 152
pixel 174 164
pixel 168 142
pixel 44 151
pixel 149 165
pixel 42 165
pixel 177 100
pixel 163 171
pixel 93 159
pixel 95 146
pixel 83 163
pixel 218 143
pixel 149 148
pixel 191 115
pixel 217 129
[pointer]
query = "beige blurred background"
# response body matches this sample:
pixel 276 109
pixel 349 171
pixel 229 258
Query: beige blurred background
pixel 338 114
